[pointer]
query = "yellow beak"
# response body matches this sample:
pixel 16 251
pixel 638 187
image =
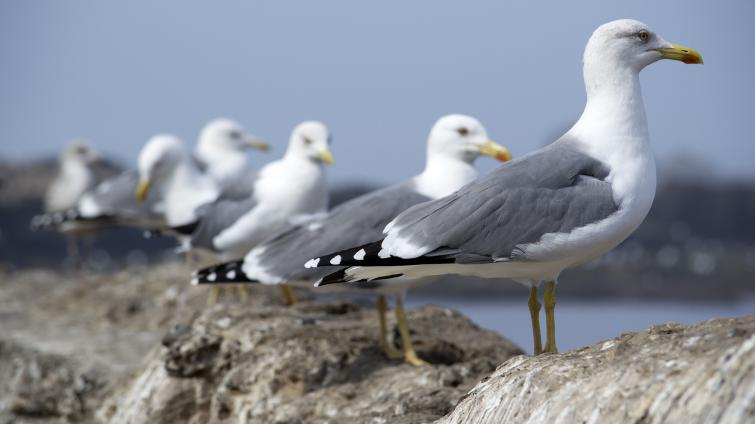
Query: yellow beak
pixel 257 143
pixel 681 53
pixel 495 150
pixel 326 157
pixel 142 189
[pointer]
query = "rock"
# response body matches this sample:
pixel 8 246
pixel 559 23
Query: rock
pixel 314 362
pixel 141 346
pixel 672 373
pixel 46 386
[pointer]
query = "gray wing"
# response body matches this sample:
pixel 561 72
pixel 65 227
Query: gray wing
pixel 357 221
pixel 242 188
pixel 216 217
pixel 104 169
pixel 553 190
pixel 115 197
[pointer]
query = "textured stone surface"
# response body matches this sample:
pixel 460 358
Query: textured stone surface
pixel 703 373
pixel 141 346
pixel 313 362
pixel 41 385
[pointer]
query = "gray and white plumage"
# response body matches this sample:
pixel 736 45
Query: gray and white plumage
pixel 74 178
pixel 453 145
pixel 556 208
pixel 554 190
pixel 169 175
pixel 113 201
pixel 284 190
pixel 217 216
pixel 81 169
pixel 220 154
pixel 354 222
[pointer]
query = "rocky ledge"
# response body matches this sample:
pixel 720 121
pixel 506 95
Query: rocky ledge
pixel 313 362
pixel 140 346
pixel 671 373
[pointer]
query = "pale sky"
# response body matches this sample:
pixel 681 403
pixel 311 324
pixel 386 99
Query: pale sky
pixel 378 73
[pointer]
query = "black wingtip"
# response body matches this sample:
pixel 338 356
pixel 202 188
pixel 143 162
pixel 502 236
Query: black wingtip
pixel 224 273
pixel 342 276
pixel 339 276
pixel 52 220
pixel 350 257
pixel 57 220
pixel 186 229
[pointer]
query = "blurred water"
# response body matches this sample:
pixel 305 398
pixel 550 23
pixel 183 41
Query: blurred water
pixel 584 323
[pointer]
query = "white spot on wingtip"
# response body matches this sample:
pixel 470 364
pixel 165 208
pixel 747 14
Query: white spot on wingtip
pixel 312 263
pixel 360 255
pixel 231 274
pixel 318 282
pixel 335 260
pixel 212 276
pixel 195 281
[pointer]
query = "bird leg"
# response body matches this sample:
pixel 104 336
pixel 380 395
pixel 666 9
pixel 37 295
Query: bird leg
pixel 243 292
pixel 289 298
pixel 534 306
pixel 390 352
pixel 549 298
pixel 214 295
pixel 410 355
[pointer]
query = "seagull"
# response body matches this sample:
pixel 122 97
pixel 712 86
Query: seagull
pixel 290 189
pixel 75 177
pixel 80 168
pixel 553 209
pixel 112 202
pixel 454 143
pixel 221 150
pixel 167 171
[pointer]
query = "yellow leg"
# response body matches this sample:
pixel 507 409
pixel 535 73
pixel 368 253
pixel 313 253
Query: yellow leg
pixel 410 355
pixel 549 298
pixel 535 319
pixel 243 292
pixel 214 295
pixel 288 295
pixel 390 352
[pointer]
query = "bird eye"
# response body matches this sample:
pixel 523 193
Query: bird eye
pixel 234 134
pixel 462 131
pixel 643 36
pixel 307 141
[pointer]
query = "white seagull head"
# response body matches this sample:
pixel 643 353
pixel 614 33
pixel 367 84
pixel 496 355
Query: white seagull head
pixel 227 135
pixel 311 140
pixel 79 152
pixel 629 45
pixel 158 158
pixel 462 137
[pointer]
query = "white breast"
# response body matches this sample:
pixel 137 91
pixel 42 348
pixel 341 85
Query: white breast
pixel 186 190
pixel 284 190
